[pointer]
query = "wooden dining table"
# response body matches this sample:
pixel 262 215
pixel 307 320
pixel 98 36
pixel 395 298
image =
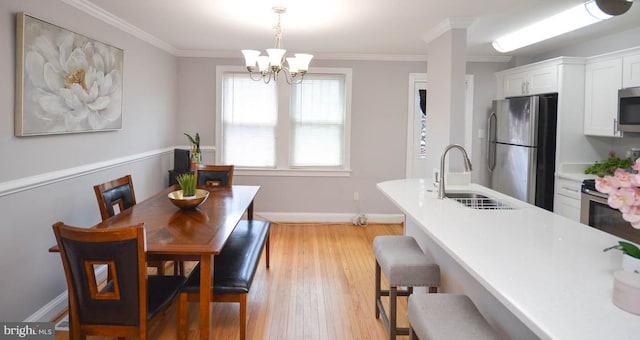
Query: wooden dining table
pixel 198 234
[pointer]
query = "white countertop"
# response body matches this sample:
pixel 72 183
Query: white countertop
pixel 549 271
pixel 574 171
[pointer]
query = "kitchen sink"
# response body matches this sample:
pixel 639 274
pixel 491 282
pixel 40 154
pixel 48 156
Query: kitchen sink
pixel 475 200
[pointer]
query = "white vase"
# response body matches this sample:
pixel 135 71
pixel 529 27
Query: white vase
pixel 630 263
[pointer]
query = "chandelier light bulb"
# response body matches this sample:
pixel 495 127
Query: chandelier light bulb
pixel 303 61
pixel 250 57
pixel 275 56
pixel 293 64
pixel 263 63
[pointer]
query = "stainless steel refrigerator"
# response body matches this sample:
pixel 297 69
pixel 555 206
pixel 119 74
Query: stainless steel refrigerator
pixel 522 148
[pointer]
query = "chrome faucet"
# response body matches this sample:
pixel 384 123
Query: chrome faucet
pixel 467 166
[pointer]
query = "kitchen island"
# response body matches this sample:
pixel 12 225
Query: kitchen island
pixel 532 273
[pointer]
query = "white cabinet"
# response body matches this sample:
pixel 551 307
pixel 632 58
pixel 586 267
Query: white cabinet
pixel 602 81
pixel 566 200
pixel 530 82
pixel 631 71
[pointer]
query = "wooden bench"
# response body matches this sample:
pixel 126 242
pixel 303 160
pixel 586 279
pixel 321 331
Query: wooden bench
pixel 233 272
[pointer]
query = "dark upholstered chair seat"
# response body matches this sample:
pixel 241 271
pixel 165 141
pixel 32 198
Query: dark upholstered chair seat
pixel 161 290
pixel 235 267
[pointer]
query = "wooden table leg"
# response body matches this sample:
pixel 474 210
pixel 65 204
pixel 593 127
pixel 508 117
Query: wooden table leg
pixel 250 211
pixel 206 282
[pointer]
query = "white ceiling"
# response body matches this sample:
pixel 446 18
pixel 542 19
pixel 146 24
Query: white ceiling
pixel 342 27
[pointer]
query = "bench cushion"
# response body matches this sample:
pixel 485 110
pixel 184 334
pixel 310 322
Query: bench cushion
pixel 235 267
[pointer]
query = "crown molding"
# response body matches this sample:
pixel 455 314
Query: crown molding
pixel 107 17
pixel 349 56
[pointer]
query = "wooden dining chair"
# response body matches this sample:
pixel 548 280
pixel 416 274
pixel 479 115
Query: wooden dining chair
pixel 117 195
pixel 215 175
pixel 125 304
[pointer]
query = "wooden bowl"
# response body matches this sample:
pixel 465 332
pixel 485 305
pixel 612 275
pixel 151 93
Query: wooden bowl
pixel 191 202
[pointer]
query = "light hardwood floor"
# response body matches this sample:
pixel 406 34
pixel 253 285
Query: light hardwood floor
pixel 320 286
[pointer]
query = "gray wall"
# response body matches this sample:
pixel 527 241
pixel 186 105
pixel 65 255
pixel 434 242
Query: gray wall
pixel 73 163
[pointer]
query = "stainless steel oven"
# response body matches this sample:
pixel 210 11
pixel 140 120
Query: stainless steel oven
pixel 595 212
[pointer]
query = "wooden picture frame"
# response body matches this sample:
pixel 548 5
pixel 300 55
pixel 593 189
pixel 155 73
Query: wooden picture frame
pixel 65 82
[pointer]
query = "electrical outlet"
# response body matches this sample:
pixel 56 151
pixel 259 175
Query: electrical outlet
pixel 356 196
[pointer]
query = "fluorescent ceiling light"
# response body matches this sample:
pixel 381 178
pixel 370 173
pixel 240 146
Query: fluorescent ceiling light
pixel 567 21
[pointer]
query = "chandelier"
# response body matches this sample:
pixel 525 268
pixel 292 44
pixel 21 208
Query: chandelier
pixel 269 66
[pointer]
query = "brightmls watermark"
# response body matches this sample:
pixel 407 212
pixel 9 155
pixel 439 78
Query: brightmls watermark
pixel 27 330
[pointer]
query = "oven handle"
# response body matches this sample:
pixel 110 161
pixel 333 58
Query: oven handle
pixel 595 193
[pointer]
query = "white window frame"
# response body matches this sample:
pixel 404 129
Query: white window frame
pixel 283 128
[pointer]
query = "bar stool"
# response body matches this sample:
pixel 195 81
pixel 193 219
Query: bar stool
pixel 446 316
pixel 404 264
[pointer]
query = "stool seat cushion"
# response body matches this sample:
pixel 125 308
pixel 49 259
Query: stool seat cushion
pixel 404 263
pixel 447 316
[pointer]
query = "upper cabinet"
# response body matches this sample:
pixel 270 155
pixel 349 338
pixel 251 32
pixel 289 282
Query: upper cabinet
pixel 536 80
pixel 631 71
pixel 604 76
pixel 602 81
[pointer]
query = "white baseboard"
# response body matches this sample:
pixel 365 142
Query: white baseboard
pixel 326 217
pixel 50 311
pixel 55 307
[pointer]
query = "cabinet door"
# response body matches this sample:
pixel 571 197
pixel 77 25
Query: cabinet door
pixel 631 71
pixel 537 81
pixel 567 207
pixel 514 84
pixel 542 80
pixel 602 81
pixel 566 201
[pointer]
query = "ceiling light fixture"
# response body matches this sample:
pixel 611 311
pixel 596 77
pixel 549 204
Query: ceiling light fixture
pixel 576 17
pixel 270 66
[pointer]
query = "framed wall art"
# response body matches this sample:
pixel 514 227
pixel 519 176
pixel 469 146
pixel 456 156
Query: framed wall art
pixel 65 82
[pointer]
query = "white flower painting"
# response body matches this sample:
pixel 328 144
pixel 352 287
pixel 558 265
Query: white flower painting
pixel 65 82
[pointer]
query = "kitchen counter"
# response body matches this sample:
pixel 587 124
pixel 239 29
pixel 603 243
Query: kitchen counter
pixel 548 271
pixel 574 171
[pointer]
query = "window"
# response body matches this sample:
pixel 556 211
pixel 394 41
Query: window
pixel 317 121
pixel 281 127
pixel 249 118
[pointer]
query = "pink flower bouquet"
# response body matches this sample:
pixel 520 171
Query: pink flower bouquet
pixel 624 192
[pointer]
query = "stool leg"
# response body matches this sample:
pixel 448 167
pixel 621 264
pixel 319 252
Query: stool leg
pixel 393 296
pixel 377 289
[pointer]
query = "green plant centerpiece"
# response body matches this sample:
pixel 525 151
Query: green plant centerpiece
pixel 188 184
pixel 608 166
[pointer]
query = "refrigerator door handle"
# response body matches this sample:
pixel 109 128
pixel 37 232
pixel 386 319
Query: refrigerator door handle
pixel 491 139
